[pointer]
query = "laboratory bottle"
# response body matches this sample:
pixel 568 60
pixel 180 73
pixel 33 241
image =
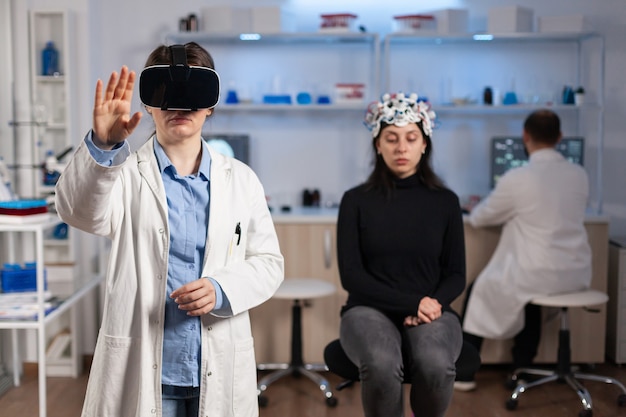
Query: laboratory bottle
pixel 50 59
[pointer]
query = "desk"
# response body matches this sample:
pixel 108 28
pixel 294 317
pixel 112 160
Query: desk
pixel 307 240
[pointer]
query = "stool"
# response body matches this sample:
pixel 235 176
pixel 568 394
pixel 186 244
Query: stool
pixel 298 289
pixel 564 371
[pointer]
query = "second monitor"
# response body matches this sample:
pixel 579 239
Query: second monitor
pixel 508 152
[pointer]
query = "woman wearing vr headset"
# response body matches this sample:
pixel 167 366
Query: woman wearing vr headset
pixel 401 258
pixel 193 247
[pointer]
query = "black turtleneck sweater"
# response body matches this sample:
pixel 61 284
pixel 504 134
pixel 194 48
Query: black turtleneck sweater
pixel 395 249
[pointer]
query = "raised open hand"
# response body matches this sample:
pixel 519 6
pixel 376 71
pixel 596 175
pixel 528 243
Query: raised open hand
pixel 112 122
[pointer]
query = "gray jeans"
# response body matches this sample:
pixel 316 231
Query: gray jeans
pixel 375 345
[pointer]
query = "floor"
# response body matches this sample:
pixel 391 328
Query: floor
pixel 298 397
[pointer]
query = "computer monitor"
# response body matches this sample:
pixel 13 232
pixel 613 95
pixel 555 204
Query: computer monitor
pixel 233 145
pixel 508 152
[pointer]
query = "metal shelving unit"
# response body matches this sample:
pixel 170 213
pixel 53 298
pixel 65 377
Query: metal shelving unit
pixel 238 40
pixel 482 42
pixel 43 318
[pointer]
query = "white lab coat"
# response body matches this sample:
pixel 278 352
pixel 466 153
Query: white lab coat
pixel 127 204
pixel 543 248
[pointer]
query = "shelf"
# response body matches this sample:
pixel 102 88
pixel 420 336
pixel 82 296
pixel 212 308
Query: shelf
pixel 291 107
pixel 56 79
pixel 55 126
pixel 433 38
pixel 46 223
pixel 56 242
pixel 507 109
pixel 271 38
pixel 58 310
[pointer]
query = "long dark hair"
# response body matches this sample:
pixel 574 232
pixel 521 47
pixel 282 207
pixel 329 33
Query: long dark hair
pixel 381 178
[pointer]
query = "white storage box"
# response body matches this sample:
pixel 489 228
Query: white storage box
pixel 61 278
pixel 271 19
pixel 563 24
pixel 226 19
pixel 452 21
pixel 506 19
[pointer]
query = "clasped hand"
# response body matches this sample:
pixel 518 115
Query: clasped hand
pixel 428 311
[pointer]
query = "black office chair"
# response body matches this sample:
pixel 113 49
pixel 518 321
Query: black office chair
pixel 339 363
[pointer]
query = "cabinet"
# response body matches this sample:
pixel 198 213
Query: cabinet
pixel 616 315
pixel 452 71
pixel 50 94
pixel 309 251
pixel 308 245
pixel 35 233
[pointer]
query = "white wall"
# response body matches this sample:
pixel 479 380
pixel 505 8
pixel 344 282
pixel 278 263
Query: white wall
pixel 294 151
pixel 340 143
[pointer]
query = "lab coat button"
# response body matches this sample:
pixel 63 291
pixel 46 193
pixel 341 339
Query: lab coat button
pixel 209 374
pixel 160 276
pixel 161 230
pixel 154 366
pixel 153 411
pixel 209 328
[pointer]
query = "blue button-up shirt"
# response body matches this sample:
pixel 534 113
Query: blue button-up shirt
pixel 188 216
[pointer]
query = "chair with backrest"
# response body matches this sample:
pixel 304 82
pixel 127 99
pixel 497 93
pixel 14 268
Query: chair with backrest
pixel 338 363
pixel 564 371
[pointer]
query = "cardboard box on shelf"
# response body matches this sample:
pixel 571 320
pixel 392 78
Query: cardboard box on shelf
pixel 61 278
pixel 506 19
pixel 271 19
pixel 226 19
pixel 451 21
pixel 563 24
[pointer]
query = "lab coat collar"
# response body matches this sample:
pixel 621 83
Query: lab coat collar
pixel 547 154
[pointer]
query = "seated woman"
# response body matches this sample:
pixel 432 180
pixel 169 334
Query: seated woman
pixel 401 257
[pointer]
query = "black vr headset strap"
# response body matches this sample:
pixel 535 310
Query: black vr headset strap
pixel 179 74
pixel 179 55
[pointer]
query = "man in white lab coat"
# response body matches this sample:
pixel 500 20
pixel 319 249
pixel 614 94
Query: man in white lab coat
pixel 543 248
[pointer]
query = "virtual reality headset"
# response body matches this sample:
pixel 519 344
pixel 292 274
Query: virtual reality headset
pixel 179 86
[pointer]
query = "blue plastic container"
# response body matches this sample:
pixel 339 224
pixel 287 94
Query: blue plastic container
pixel 20 278
pixel 50 59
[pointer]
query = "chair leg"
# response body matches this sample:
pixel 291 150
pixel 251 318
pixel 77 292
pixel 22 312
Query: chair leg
pixel 527 385
pixel 581 391
pixel 271 378
pixel 321 382
pixel 565 373
pixel 600 378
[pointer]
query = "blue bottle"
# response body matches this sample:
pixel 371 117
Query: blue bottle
pixel 50 59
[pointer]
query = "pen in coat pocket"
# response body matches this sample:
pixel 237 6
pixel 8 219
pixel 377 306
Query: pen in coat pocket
pixel 238 234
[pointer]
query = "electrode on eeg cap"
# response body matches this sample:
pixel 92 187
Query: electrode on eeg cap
pixel 179 86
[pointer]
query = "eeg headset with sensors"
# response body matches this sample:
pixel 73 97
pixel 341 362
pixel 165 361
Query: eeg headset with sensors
pixel 179 86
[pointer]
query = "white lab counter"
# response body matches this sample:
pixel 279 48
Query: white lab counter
pixel 306 215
